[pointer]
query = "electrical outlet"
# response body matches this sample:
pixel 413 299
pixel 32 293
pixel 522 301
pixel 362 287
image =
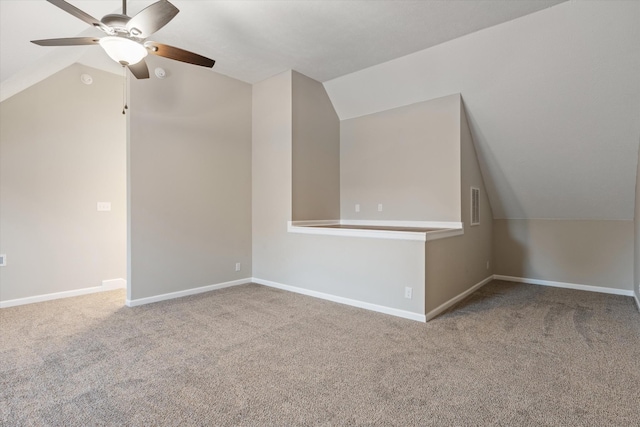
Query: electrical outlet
pixel 238 266
pixel 379 207
pixel 3 260
pixel 487 265
pixel 408 292
pixel 357 207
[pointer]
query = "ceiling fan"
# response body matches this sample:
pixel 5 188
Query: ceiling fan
pixel 125 41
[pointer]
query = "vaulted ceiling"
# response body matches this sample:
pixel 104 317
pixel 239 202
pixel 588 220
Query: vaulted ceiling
pixel 253 40
pixel 552 88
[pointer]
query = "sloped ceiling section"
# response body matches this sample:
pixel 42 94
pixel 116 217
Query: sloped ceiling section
pixel 553 100
pixel 22 63
pixel 254 40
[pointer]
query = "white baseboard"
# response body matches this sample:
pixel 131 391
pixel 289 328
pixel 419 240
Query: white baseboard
pixel 637 301
pixel 347 301
pixel 438 310
pixel 114 284
pixel 186 292
pixel 107 285
pixel 565 285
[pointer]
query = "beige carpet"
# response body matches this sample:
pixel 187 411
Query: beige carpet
pixel 510 355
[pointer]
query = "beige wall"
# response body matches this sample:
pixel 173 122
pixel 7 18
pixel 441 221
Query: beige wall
pixel 367 270
pixel 636 229
pixel 189 180
pixel 315 152
pixel 456 264
pixel 62 150
pixel 406 159
pixel 271 175
pixel 595 253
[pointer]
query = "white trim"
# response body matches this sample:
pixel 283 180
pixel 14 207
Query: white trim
pixel 565 285
pixel 637 301
pixel 186 292
pixel 563 219
pixel 441 234
pixel 446 229
pixel 410 224
pixel 347 301
pixel 114 284
pixel 438 310
pixel 351 232
pixel 315 223
pixel 107 285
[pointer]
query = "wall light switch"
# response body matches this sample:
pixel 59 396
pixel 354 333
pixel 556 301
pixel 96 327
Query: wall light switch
pixel 104 206
pixel 379 207
pixel 357 207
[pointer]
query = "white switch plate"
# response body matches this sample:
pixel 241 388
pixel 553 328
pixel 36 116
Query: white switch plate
pixel 379 207
pixel 357 207
pixel 238 266
pixel 408 292
pixel 104 206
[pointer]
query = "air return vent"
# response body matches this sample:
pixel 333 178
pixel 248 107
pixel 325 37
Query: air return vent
pixel 475 206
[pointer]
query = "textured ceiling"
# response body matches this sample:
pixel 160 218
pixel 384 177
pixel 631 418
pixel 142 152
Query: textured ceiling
pixel 253 40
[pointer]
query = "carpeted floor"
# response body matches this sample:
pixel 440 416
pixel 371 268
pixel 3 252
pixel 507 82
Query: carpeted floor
pixel 509 355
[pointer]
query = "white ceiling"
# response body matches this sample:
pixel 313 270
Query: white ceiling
pixel 253 40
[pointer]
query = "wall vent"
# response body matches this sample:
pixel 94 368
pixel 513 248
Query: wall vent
pixel 475 206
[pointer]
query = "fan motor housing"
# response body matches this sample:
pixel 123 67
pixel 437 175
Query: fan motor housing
pixel 117 22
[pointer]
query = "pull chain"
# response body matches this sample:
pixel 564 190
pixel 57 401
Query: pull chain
pixel 124 89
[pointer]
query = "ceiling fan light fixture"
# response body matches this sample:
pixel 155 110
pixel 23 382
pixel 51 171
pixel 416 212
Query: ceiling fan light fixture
pixel 123 50
pixel 125 40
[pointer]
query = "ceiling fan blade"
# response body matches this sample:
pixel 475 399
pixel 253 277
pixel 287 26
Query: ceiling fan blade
pixel 151 19
pixel 178 54
pixel 69 8
pixel 70 41
pixel 139 70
